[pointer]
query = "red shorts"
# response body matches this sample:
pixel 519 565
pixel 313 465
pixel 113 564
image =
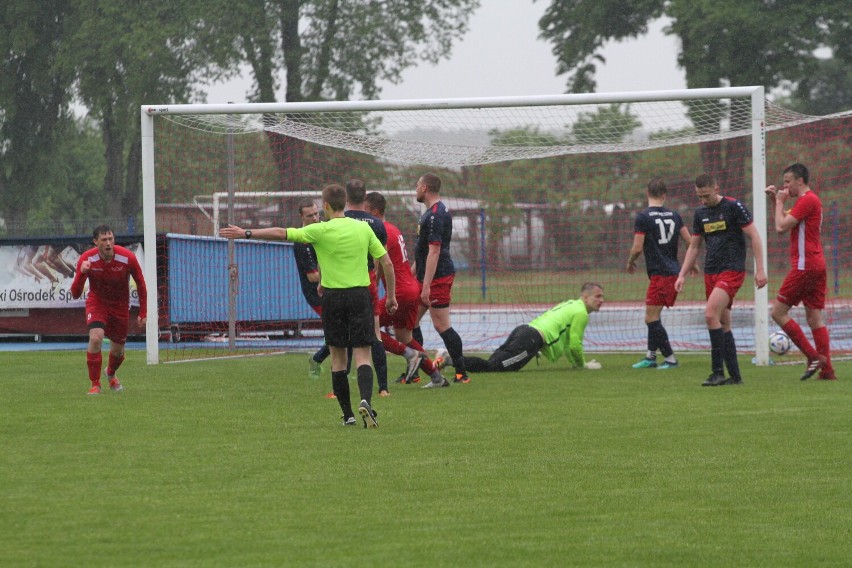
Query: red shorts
pixel 730 281
pixel 113 319
pixel 317 309
pixel 805 286
pixel 661 291
pixel 440 292
pixel 408 300
pixel 374 293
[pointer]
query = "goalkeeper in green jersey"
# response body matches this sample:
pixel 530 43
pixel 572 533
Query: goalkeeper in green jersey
pixel 557 331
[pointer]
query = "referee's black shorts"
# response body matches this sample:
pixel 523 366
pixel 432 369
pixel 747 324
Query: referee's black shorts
pixel 347 317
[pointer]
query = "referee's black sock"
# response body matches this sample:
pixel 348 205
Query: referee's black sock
pixel 453 343
pixel 365 382
pixel 380 362
pixel 731 356
pixel 340 386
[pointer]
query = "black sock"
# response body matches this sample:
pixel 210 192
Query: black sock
pixel 661 338
pixel 322 353
pixel 717 350
pixel 365 382
pixel 340 386
pixel 380 362
pixel 731 356
pixel 453 343
pixel 652 337
pixel 417 334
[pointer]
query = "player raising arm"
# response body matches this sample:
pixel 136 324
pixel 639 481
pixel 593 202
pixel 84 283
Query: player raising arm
pixel 108 268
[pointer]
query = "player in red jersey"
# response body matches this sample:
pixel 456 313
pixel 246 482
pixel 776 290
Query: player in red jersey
pixel 404 320
pixel 806 280
pixel 108 268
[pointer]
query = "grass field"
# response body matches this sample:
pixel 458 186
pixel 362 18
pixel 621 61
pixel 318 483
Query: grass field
pixel 243 462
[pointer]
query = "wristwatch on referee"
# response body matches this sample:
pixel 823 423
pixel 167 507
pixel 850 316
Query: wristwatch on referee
pixel 248 234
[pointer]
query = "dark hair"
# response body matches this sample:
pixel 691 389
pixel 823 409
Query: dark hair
pixel 305 203
pixel 101 230
pixel 799 171
pixel 432 182
pixel 335 196
pixel 355 191
pixel 377 201
pixel 657 187
pixel 705 180
pixel 589 286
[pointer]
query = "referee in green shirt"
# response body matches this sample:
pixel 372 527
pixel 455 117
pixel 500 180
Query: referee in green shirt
pixel 342 245
pixel 557 331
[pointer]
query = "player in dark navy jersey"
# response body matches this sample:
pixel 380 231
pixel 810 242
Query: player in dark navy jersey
pixel 435 270
pixel 356 208
pixel 656 233
pixel 309 277
pixel 722 223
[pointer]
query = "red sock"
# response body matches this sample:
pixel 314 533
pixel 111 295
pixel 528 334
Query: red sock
pixel 426 364
pixel 94 362
pixel 114 364
pixel 796 334
pixel 392 344
pixel 822 345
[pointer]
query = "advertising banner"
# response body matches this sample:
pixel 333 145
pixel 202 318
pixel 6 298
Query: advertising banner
pixel 34 275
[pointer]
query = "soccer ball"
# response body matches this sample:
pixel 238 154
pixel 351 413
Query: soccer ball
pixel 779 343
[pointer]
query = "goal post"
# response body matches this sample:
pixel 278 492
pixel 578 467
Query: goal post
pixel 543 190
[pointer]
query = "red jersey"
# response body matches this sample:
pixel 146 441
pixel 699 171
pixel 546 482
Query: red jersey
pixel 109 282
pixel 405 281
pixel 805 238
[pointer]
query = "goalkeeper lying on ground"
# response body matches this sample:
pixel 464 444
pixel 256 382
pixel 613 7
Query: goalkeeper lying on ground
pixel 558 330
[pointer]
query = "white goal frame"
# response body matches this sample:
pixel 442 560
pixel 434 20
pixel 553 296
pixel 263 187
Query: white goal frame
pixel 758 155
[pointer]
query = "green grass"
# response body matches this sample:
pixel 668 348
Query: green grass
pixel 244 463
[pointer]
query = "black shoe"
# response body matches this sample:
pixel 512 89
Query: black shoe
pixel 414 379
pixel 733 381
pixel 813 367
pixel 349 421
pixel 714 380
pixel 368 415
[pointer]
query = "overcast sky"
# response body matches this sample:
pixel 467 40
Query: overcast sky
pixel 501 55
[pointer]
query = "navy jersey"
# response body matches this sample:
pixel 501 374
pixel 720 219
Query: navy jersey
pixel 661 227
pixel 435 227
pixel 376 224
pixel 722 229
pixel 306 262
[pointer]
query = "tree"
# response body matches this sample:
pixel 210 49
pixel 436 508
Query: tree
pixel 331 50
pixel 34 102
pixel 723 42
pixel 125 54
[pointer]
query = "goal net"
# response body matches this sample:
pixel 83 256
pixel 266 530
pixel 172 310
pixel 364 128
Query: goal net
pixel 543 192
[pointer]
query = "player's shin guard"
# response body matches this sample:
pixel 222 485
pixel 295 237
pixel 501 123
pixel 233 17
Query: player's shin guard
pixel 453 343
pixel 731 356
pixel 365 382
pixel 340 386
pixel 800 340
pixel 823 345
pixel 380 361
pixel 94 361
pixel 717 350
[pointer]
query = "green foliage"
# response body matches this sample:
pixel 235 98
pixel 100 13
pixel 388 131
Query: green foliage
pixel 725 42
pixel 332 50
pixel 606 125
pixel 244 463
